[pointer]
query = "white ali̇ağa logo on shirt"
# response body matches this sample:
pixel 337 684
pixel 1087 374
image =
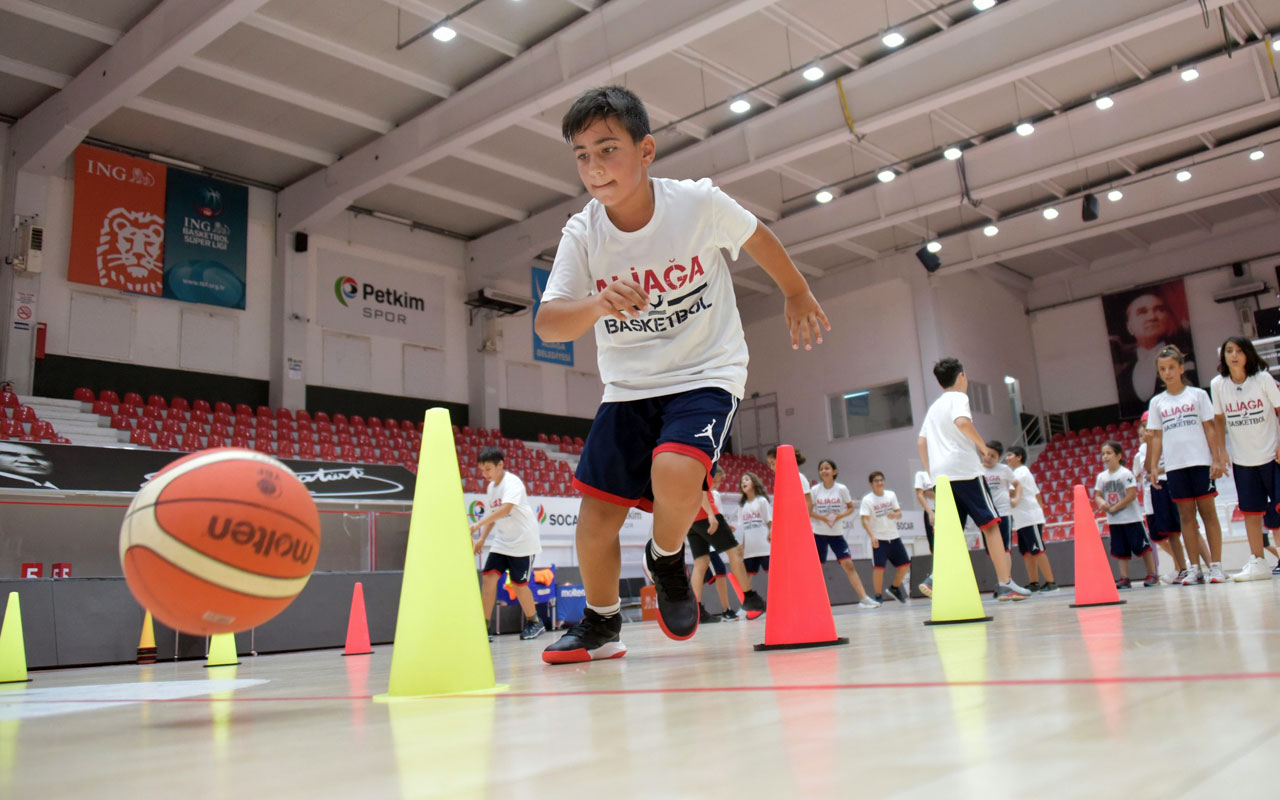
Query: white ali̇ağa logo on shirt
pixel 663 313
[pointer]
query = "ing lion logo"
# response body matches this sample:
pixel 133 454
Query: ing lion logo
pixel 131 251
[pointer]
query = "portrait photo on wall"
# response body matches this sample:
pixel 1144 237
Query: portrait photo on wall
pixel 1139 323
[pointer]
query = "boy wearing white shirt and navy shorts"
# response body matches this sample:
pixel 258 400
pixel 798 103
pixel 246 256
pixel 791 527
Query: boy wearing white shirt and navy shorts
pixel 642 267
pixel 1028 521
pixel 879 510
pixel 951 447
pixel 510 517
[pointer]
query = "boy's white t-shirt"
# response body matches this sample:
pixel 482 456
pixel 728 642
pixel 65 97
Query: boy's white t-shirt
pixel 516 534
pixel 1027 512
pixel 829 501
pixel 754 517
pixel 1140 472
pixel 1250 411
pixel 691 336
pixel 924 483
pixel 1181 417
pixel 877 507
pixel 1113 486
pixel 950 451
pixel 999 480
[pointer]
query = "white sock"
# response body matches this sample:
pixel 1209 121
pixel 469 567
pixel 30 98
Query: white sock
pixel 607 611
pixel 658 552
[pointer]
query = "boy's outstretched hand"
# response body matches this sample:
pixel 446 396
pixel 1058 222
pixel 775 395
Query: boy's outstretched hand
pixel 622 299
pixel 805 319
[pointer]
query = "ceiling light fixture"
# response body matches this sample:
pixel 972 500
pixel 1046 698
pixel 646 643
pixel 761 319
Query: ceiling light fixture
pixel 1183 176
pixel 893 39
pixel 990 230
pixel 824 196
pixel 1050 213
pixel 1104 102
pixel 934 247
pixel 813 73
pixel 886 175
pixel 1190 74
pixel 443 33
pixel 1256 155
pixel 740 106
pixel 983 5
pixel 1115 195
pixel 952 153
pixel 1025 129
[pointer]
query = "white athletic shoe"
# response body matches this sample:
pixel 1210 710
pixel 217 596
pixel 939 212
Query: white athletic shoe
pixel 1192 577
pixel 1255 569
pixel 1215 574
pixel 1022 590
pixel 867 602
pixel 1170 577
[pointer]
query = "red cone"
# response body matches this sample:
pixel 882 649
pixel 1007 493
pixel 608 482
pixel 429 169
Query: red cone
pixel 357 625
pixel 799 608
pixel 1095 585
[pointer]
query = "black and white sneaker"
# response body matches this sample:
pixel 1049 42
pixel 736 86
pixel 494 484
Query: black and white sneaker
pixel 706 616
pixel 729 615
pixel 1033 587
pixel 533 628
pixel 752 604
pixel 592 639
pixel 677 607
pixel 897 592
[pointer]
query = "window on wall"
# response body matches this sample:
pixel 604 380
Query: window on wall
pixel 979 397
pixel 863 411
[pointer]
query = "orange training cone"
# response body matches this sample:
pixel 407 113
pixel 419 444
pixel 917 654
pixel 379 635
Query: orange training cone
pixel 799 608
pixel 357 625
pixel 1095 585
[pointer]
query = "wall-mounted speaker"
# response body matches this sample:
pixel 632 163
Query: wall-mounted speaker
pixel 930 261
pixel 1089 208
pixel 299 242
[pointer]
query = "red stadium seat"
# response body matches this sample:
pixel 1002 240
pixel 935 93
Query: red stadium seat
pixel 179 404
pixel 190 442
pixel 306 450
pixel 84 394
pixel 25 414
pixel 348 452
pixel 284 449
pixel 201 405
pixel 102 408
pixel 152 412
pixel 118 421
pixel 140 438
pixel 264 446
pixel 284 414
pixel 166 441
pixel 109 396
pixel 223 407
pixel 327 452
pixel 216 440
pixel 9 429
pixel 319 417
pixel 240 441
pixel 339 419
pixel 302 415
pixel 172 426
pixel 407 426
pixel 132 398
pixel 157 401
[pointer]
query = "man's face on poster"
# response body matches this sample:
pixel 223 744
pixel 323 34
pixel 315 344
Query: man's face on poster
pixel 20 459
pixel 1149 320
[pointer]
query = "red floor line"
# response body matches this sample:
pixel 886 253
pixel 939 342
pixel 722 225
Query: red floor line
pixel 816 687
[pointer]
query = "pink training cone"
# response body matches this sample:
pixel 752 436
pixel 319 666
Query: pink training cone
pixel 799 608
pixel 1095 585
pixel 357 625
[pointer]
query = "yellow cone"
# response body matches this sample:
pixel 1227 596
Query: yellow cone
pixel 13 652
pixel 222 650
pixel 955 590
pixel 441 644
pixel 147 641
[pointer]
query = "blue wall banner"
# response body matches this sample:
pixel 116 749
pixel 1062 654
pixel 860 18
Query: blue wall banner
pixel 551 352
pixel 206 227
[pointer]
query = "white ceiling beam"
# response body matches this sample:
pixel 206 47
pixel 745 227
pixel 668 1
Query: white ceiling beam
pixel 1055 188
pixel 1134 239
pixel 358 58
pixel 1233 25
pixel 875 151
pixel 1268 201
pixel 809 269
pixel 811 34
pixel 462 198
pixel 915 229
pixel 763 212
pixel 1070 255
pixel 61 20
pixel 956 125
pixel 585 5
pixel 240 133
pixel 520 171
pixel 1266 74
pixel 802 178
pixel 736 80
pixel 30 72
pixel 1002 273
pixel 1126 164
pixel 857 249
pixel 1131 60
pixel 541 126
pixel 1039 94
pixel 473 32
pixel 1199 220
pixel 747 283
pixel 615 38
pixel 660 116
pixel 936 15
pixel 43 139
pixel 1251 18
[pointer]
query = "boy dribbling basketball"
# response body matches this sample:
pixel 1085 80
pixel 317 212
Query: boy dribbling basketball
pixel 508 512
pixel 641 266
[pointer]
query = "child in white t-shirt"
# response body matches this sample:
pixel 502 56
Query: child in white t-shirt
pixel 510 517
pixel 1183 432
pixel 1116 492
pixel 829 504
pixel 643 266
pixel 755 523
pixel 1245 400
pixel 880 511
pixel 1028 520
pixel 1163 523
pixel 924 496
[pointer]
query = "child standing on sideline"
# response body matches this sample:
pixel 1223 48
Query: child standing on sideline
pixel 507 510
pixel 755 522
pixel 829 503
pixel 879 510
pixel 1245 399
pixel 950 446
pixel 924 496
pixel 642 266
pixel 713 530
pixel 1116 493
pixel 1183 432
pixel 1028 520
pixel 1163 524
pixel 999 480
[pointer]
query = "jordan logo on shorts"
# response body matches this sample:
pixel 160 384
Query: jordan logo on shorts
pixel 709 432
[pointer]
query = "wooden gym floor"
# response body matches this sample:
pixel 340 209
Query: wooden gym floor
pixel 1172 695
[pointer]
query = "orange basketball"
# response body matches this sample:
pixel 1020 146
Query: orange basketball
pixel 220 541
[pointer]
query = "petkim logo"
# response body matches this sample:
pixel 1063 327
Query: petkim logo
pixel 346 288
pixel 542 513
pixel 475 511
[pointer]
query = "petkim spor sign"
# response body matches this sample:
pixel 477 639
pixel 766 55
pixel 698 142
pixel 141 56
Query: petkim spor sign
pixel 359 295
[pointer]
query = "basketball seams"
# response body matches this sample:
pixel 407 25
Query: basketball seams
pixel 245 503
pixel 218 573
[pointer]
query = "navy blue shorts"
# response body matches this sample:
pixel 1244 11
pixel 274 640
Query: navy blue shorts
pixel 928 532
pixel 756 564
pixel 892 551
pixel 516 566
pixel 1031 540
pixel 973 501
pixel 837 544
pixel 1271 520
pixel 1189 483
pixel 701 542
pixel 617 459
pixel 1164 520
pixel 1258 488
pixel 1128 540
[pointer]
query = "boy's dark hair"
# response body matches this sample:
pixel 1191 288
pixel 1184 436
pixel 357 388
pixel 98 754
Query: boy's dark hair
pixel 872 477
pixel 604 102
pixel 997 445
pixel 947 371
pixel 1019 451
pixel 1116 447
pixel 1252 361
pixel 490 455
pixel 772 452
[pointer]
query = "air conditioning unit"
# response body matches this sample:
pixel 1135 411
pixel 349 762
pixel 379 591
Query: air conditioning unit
pixel 30 248
pixel 502 302
pixel 1239 291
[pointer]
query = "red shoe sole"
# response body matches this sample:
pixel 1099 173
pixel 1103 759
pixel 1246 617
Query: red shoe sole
pixel 662 624
pixel 754 614
pixel 579 656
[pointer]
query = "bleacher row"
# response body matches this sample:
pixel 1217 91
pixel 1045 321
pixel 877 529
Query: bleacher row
pixel 1075 457
pixel 19 422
